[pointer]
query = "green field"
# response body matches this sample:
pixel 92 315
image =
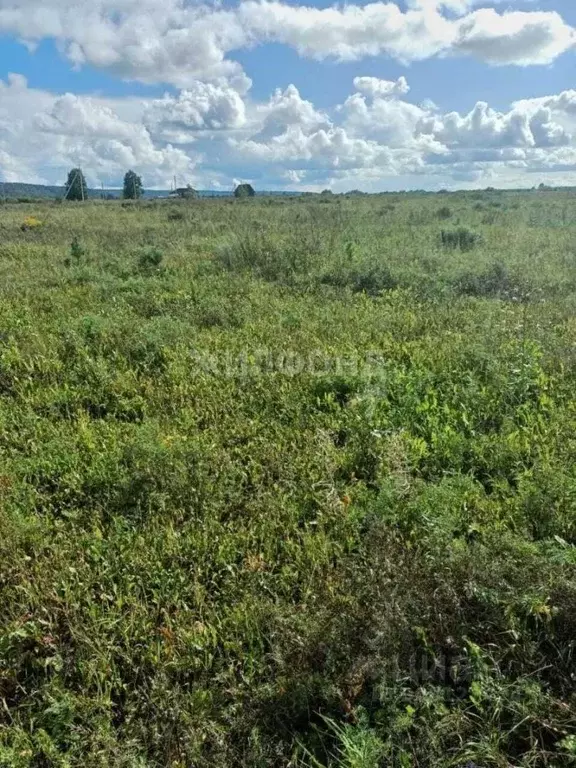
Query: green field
pixel 289 482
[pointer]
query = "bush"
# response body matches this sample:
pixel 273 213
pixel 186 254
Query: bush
pixel 496 280
pixel 269 258
pixel 463 239
pixel 369 279
pixel 30 222
pixel 150 260
pixel 444 212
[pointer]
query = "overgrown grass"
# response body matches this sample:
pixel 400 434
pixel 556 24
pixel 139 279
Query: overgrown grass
pixel 288 483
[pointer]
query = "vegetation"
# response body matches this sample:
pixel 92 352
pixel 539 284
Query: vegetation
pixel 132 189
pixel 288 484
pixel 76 188
pixel 244 190
pixel 186 193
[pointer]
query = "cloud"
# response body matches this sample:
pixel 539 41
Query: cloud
pixel 288 109
pixel 325 149
pixel 72 115
pixel 372 86
pixel 203 106
pixel 562 103
pixel 178 41
pixel 42 136
pixel 522 38
pixel 391 121
pixel 173 41
pixel 484 127
pixel 350 32
pixel 375 139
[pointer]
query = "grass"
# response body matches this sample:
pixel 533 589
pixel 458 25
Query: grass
pixel 289 482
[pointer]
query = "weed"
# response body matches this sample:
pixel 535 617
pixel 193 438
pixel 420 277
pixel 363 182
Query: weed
pixel 306 497
pixel 462 238
pixel 150 260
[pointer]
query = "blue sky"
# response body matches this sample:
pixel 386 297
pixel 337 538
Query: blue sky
pixel 381 95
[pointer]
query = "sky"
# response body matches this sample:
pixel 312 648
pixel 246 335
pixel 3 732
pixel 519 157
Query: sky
pixel 376 96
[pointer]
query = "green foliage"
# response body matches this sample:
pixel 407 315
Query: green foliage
pixel 461 238
pixel 132 189
pixel 496 279
pixel 150 260
pixel 75 188
pixel 288 483
pixel 186 193
pixel 77 251
pixel 244 190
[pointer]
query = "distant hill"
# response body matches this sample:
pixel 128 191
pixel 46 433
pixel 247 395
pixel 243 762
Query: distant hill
pixel 14 191
pixel 41 191
pixel 11 191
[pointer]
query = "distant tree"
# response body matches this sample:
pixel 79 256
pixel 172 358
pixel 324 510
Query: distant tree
pixel 244 190
pixel 132 186
pixel 76 188
pixel 187 193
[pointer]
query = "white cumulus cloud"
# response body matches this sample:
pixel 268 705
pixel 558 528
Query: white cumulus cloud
pixel 178 41
pixel 212 132
pixel 372 86
pixel 485 127
pixel 202 106
pixel 517 37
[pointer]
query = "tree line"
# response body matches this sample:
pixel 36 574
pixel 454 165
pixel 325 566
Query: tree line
pixel 77 189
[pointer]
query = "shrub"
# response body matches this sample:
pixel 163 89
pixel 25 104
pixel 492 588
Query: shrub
pixel 30 222
pixel 444 212
pixel 462 238
pixel 371 279
pixel 269 258
pixel 496 280
pixel 150 260
pixel 186 193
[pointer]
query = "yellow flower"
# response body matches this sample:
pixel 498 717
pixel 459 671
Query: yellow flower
pixel 30 222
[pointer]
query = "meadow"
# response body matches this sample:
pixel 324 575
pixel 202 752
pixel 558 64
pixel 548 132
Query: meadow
pixel 289 482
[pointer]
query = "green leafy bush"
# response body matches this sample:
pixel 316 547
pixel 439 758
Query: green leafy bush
pixel 463 239
pixel 150 260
